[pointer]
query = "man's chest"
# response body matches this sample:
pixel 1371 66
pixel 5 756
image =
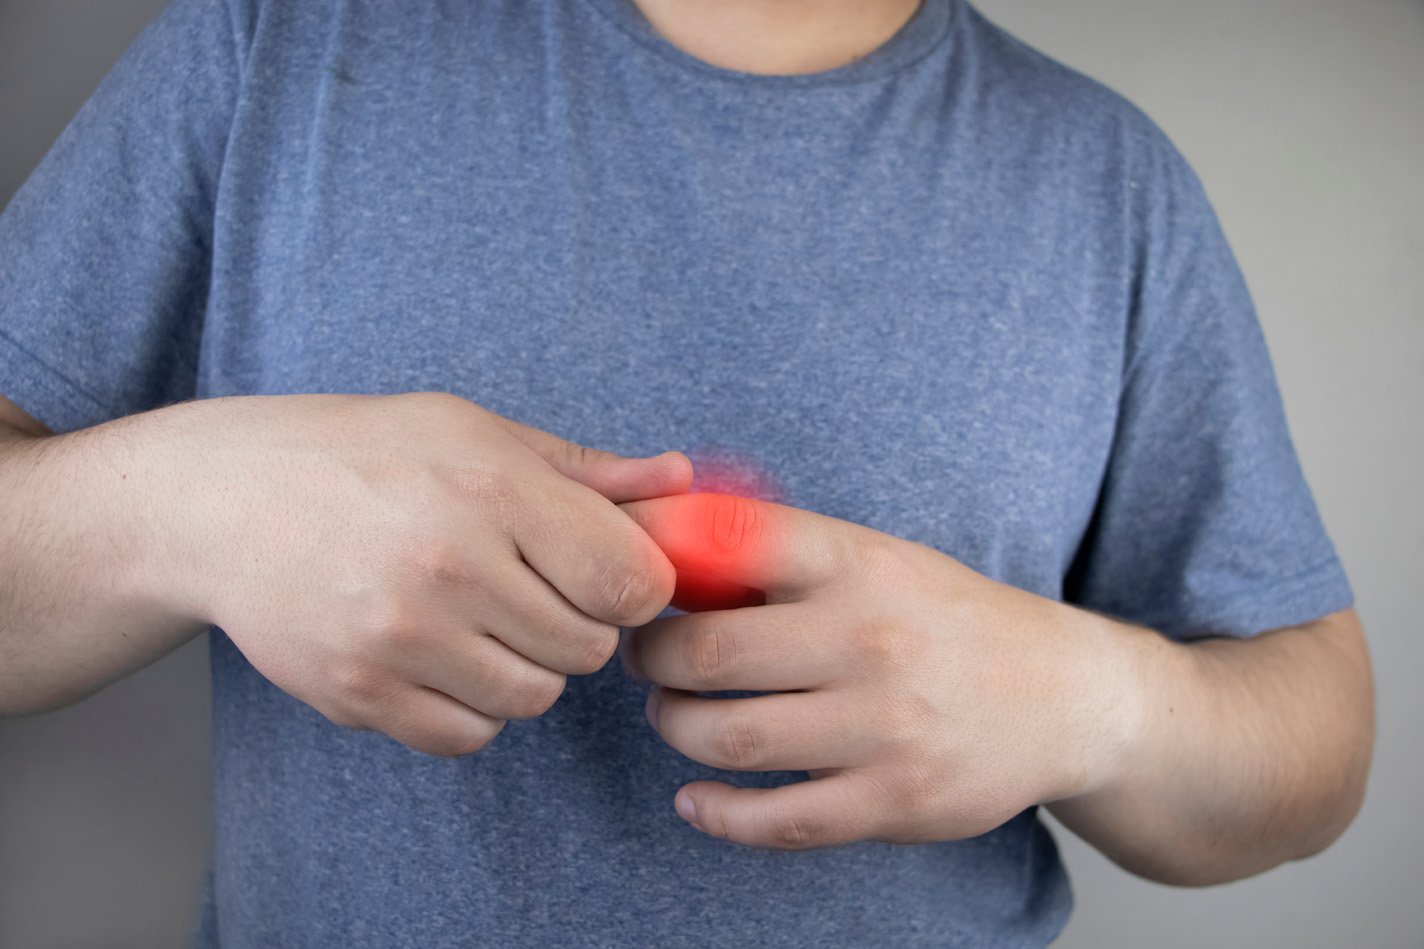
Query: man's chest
pixel 886 347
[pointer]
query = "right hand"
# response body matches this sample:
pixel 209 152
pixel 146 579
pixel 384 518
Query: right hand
pixel 413 564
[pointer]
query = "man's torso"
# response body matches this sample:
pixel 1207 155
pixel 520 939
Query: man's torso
pixel 901 292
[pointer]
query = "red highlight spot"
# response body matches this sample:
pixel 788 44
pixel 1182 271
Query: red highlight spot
pixel 718 533
pixel 699 592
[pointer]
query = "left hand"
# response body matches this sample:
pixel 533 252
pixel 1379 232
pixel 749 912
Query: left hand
pixel 926 701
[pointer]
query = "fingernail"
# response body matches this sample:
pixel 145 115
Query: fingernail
pixel 685 808
pixel 651 709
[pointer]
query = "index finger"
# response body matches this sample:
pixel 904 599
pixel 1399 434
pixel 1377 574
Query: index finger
pixel 783 551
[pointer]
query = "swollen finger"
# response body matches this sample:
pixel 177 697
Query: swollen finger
pixel 783 551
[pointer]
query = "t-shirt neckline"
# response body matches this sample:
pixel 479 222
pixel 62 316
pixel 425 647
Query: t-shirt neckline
pixel 922 32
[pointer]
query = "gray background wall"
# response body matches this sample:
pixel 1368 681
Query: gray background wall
pixel 1305 121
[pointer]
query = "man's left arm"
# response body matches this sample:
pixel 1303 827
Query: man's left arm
pixel 1246 752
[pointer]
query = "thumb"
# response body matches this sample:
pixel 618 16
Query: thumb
pixel 616 477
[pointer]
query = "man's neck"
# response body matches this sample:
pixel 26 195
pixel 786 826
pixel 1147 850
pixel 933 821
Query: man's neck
pixel 777 37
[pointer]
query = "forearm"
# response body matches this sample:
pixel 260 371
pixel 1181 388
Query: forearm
pixel 1241 754
pixel 82 557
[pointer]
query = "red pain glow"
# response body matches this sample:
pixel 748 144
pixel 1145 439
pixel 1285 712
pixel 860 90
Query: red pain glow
pixel 715 539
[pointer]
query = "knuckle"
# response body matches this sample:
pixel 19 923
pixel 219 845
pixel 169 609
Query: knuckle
pixel 579 643
pixel 361 682
pixel 628 591
pixel 710 654
pixel 390 623
pixel 580 457
pixel 734 523
pixel 441 563
pixel 538 698
pixel 736 745
pixel 794 831
pixel 910 717
pixel 874 557
pixel 915 791
pixel 877 643
pixel 715 822
pixel 488 488
pixel 595 649
pixel 403 633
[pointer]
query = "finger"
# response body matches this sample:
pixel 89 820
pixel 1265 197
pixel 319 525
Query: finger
pixel 483 673
pixel 616 477
pixel 536 621
pixel 433 722
pixel 596 557
pixel 823 812
pixel 784 551
pixel 789 731
pixel 773 648
pixel 699 592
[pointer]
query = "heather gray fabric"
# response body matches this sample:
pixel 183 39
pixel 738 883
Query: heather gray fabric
pixel 954 291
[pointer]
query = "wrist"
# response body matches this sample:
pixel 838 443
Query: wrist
pixel 1115 686
pixel 127 490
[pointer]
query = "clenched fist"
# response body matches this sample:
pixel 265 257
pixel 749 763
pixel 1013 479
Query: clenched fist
pixel 412 564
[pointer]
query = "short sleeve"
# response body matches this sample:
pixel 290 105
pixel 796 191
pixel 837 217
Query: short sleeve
pixel 105 251
pixel 1205 525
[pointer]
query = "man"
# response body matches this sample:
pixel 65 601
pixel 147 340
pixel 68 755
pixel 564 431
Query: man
pixel 308 286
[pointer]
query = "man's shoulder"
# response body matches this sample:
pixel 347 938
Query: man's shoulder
pixel 1028 86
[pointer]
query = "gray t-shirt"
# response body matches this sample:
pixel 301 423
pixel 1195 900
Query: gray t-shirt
pixel 954 291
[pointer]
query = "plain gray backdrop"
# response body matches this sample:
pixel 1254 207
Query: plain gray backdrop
pixel 1305 122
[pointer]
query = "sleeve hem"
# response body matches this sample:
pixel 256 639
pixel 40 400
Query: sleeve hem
pixel 1305 596
pixel 42 391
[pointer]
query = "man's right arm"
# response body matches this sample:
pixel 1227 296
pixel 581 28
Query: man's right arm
pixel 410 564
pixel 75 612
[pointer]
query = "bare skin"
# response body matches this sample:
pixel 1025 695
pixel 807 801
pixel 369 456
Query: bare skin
pixel 410 564
pixel 930 703
pixel 777 37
